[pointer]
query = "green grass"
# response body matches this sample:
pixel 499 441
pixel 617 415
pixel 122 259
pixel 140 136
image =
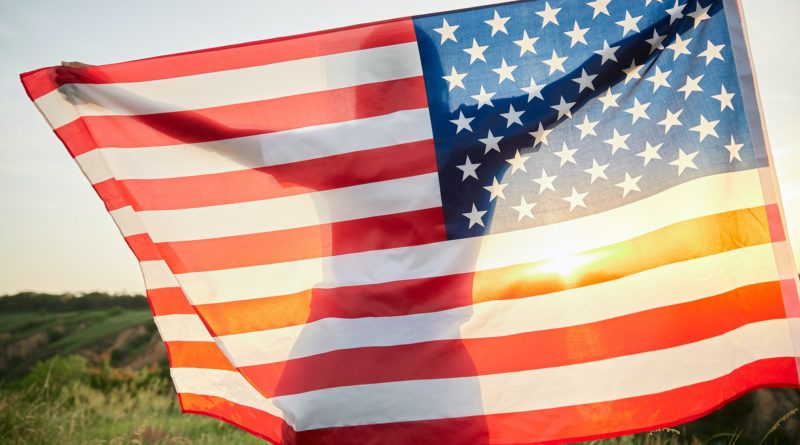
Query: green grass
pixel 81 415
pixel 97 332
pixel 18 326
pixel 66 332
pixel 13 321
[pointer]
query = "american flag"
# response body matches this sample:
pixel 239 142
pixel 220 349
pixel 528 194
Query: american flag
pixel 542 221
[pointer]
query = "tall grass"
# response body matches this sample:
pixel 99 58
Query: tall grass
pixel 85 408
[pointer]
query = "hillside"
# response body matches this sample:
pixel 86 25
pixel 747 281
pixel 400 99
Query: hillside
pixel 91 369
pixel 35 327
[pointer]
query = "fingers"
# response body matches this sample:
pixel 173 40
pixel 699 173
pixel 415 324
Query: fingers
pixel 75 65
pixel 73 72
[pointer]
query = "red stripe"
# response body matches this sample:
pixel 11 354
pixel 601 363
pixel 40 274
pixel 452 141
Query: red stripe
pixel 195 354
pixel 380 232
pixel 345 170
pixel 246 119
pixel 169 301
pixel 573 423
pixel 143 248
pixel 775 219
pixel 258 423
pixel 651 330
pixel 41 82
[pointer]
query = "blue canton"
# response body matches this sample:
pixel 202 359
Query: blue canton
pixel 544 111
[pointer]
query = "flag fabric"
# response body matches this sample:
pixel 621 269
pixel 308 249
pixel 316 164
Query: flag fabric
pixel 536 222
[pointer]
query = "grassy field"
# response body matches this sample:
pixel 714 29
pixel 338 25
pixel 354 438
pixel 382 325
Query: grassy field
pixel 72 410
pixel 29 337
pixel 77 372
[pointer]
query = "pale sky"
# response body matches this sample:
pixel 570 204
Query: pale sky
pixel 56 235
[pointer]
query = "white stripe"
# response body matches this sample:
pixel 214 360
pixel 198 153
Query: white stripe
pixel 664 286
pixel 290 212
pixel 283 79
pixel 127 221
pixel 257 151
pixel 618 378
pixel 223 384
pixel 182 327
pixel 157 275
pixel 695 199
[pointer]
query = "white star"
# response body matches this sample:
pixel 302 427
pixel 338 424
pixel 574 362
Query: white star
pixel 476 52
pixel 671 121
pixel 555 63
pixel 585 81
pixel 549 15
pixel 597 171
pixel 524 209
pixel 456 80
pixel 463 123
pixel 498 24
pixel 496 190
pixel 491 142
pixel 484 98
pixel 725 99
pixel 684 161
pixel 609 100
pixel 526 44
pixel 706 128
pixel 587 127
pixel 650 153
pixel 600 7
pixel 680 46
pixel 576 199
pixel 629 184
pixel 692 85
pixel 700 14
pixel 578 35
pixel 734 150
pixel 566 154
pixel 564 108
pixel 608 53
pixel 618 142
pixel 534 90
pixel 633 72
pixel 712 52
pixel 513 116
pixel 676 12
pixel 469 169
pixel 659 79
pixel 629 24
pixel 657 41
pixel 475 217
pixel 447 31
pixel 540 136
pixel 545 182
pixel 647 2
pixel 506 71
pixel 518 163
pixel 638 110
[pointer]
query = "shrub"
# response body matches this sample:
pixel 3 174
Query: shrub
pixel 57 373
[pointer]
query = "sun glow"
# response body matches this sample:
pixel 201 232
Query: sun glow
pixel 568 267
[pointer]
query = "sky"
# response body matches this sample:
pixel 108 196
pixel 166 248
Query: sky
pixel 56 235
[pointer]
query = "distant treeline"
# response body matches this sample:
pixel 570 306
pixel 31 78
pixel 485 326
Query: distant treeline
pixel 35 301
